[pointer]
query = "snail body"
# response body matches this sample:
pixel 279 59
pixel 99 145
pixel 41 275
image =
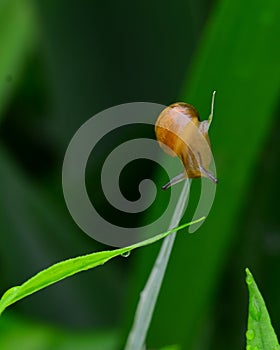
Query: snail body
pixel 180 132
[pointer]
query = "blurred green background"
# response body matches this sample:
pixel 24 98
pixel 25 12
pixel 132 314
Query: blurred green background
pixel 63 61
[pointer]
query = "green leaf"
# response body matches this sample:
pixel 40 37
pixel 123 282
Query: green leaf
pixel 260 334
pixel 66 268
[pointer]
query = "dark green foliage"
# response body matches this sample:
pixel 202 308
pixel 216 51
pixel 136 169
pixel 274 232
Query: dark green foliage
pixel 63 61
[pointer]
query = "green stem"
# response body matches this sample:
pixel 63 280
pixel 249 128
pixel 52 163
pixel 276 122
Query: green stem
pixel 149 295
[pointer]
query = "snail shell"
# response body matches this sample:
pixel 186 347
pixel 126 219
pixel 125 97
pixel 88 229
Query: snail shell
pixel 181 133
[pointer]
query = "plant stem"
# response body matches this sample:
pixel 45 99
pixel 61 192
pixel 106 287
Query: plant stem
pixel 149 295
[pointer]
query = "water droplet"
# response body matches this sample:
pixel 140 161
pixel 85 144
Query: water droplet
pixel 249 347
pixel 255 310
pixel 250 334
pixel 249 278
pixel 125 254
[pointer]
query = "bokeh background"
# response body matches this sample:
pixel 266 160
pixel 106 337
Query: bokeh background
pixel 63 61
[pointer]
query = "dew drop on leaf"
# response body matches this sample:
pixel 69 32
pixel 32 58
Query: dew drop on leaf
pixel 249 347
pixel 125 254
pixel 249 279
pixel 250 334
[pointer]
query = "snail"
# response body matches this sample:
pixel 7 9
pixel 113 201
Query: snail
pixel 180 132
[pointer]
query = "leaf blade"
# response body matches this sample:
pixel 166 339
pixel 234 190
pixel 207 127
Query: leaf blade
pixel 69 267
pixel 260 334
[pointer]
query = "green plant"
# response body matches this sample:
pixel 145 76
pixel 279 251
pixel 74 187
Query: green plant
pixel 69 267
pixel 260 334
pixel 149 295
pixel 236 55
